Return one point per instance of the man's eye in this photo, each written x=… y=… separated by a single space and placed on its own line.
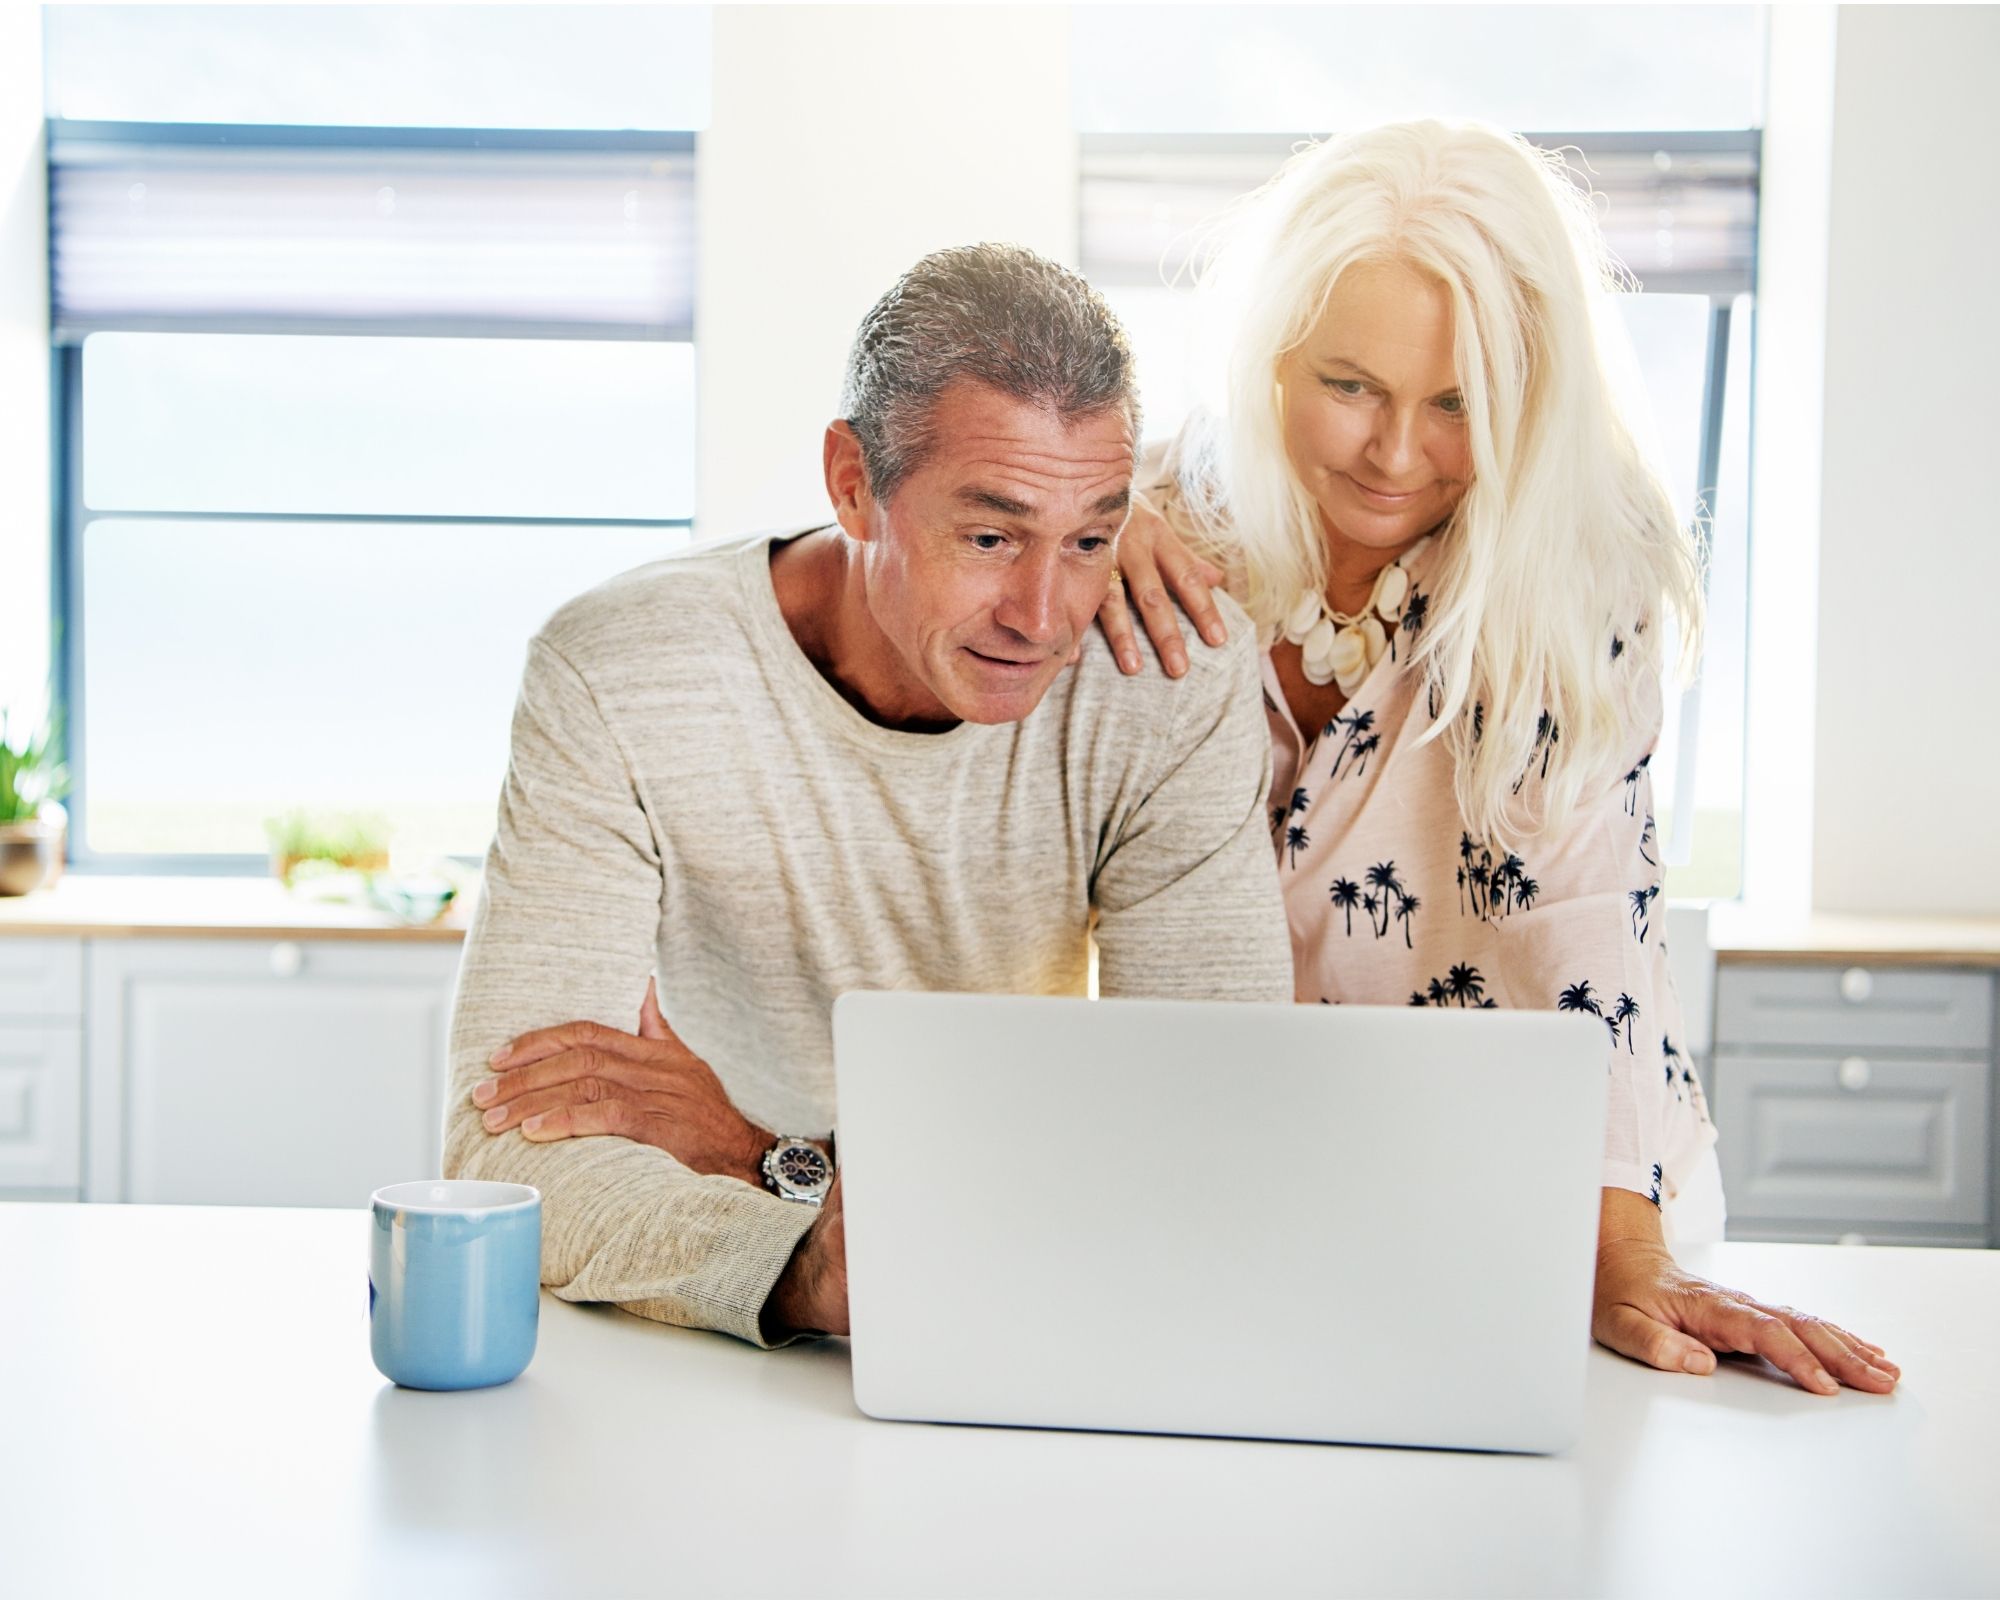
x=988 y=541
x=1090 y=544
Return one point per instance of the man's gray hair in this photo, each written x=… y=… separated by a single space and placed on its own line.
x=993 y=313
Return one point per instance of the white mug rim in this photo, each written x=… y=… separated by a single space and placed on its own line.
x=518 y=1198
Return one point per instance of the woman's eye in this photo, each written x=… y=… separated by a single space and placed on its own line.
x=1452 y=405
x=1352 y=388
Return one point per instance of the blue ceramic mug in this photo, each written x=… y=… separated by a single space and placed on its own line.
x=454 y=1281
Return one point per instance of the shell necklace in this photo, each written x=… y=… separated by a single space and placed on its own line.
x=1338 y=648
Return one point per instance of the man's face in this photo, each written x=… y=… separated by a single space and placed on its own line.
x=989 y=562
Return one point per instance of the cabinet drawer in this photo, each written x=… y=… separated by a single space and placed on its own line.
x=41 y=1107
x=1837 y=1008
x=41 y=979
x=1852 y=1141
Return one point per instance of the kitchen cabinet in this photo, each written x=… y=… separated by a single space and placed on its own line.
x=1855 y=1102
x=263 y=1072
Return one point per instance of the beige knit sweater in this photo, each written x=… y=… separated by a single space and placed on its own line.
x=688 y=796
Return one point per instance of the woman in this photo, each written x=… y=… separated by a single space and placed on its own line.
x=1420 y=487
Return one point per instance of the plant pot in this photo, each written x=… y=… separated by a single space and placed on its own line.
x=31 y=856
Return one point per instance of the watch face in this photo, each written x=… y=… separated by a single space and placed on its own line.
x=800 y=1166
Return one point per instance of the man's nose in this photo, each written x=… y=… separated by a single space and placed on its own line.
x=1028 y=607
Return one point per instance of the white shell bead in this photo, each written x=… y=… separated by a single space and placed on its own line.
x=1303 y=615
x=1376 y=640
x=1391 y=592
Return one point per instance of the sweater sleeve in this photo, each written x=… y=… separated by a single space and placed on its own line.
x=1186 y=892
x=567 y=930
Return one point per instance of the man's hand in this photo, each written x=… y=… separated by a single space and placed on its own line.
x=584 y=1078
x=1647 y=1308
x=811 y=1295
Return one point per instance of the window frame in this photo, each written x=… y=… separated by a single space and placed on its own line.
x=71 y=517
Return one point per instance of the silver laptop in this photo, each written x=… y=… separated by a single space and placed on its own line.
x=1353 y=1223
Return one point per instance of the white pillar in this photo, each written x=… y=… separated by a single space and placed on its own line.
x=844 y=143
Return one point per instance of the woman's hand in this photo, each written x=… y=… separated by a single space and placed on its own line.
x=1647 y=1308
x=1153 y=561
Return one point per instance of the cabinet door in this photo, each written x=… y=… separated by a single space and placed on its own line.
x=41 y=1095
x=239 y=1072
x=1853 y=1142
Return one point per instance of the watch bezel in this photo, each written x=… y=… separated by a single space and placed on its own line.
x=783 y=1187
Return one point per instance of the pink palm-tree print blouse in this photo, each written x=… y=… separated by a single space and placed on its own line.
x=1392 y=900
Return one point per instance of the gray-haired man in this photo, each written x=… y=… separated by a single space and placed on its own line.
x=886 y=753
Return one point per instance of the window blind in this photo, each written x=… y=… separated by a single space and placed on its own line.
x=175 y=226
x=1679 y=209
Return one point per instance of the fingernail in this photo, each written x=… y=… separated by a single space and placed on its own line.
x=532 y=1125
x=495 y=1117
x=1128 y=661
x=1214 y=634
x=499 y=1055
x=1823 y=1380
x=1693 y=1362
x=485 y=1092
x=1176 y=663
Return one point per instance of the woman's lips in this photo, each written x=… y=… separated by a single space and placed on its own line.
x=1382 y=497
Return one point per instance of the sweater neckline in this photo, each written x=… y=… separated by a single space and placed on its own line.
x=806 y=687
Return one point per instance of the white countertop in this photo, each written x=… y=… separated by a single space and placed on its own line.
x=187 y=1404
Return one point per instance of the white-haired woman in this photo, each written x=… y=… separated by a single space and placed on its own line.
x=1420 y=485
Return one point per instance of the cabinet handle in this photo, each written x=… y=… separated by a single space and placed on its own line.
x=1854 y=1073
x=287 y=960
x=1856 y=985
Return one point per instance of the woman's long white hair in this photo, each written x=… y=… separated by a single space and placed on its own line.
x=1565 y=538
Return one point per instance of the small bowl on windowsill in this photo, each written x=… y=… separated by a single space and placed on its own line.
x=415 y=901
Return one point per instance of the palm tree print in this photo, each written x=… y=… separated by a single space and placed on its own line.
x=1461 y=891
x=1624 y=1012
x=1298 y=800
x=1366 y=748
x=1632 y=785
x=1406 y=908
x=1278 y=815
x=1464 y=983
x=1646 y=837
x=1525 y=890
x=1357 y=723
x=1368 y=908
x=1617 y=647
x=1345 y=893
x=1658 y=1178
x=1415 y=609
x=1669 y=1056
x=1382 y=876
x=1296 y=839
x=1577 y=997
x=1642 y=910
x=1549 y=744
x=1437 y=992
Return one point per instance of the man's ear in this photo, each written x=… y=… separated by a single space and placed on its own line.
x=847 y=482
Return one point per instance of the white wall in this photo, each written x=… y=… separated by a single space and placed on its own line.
x=1907 y=770
x=870 y=135
x=1780 y=645
x=24 y=368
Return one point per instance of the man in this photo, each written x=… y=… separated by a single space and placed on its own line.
x=887 y=753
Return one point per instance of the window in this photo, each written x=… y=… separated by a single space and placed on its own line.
x=1674 y=164
x=348 y=410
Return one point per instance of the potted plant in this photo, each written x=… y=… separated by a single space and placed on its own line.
x=33 y=780
x=340 y=843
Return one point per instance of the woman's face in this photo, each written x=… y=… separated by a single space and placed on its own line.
x=1374 y=424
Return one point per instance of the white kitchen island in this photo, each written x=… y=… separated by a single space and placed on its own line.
x=187 y=1406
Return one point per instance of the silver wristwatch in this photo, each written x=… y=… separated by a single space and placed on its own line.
x=797 y=1170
